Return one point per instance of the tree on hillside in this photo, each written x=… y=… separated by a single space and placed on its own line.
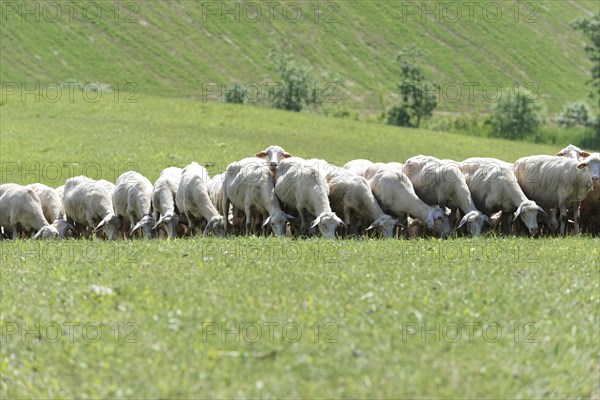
x=295 y=90
x=417 y=94
x=591 y=29
x=517 y=114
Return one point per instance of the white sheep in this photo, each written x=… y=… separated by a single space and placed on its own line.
x=441 y=182
x=396 y=195
x=558 y=182
x=305 y=190
x=166 y=213
x=89 y=203
x=590 y=206
x=132 y=201
x=351 y=197
x=249 y=187
x=494 y=188
x=194 y=203
x=358 y=166
x=52 y=208
x=573 y=152
x=273 y=154
x=21 y=211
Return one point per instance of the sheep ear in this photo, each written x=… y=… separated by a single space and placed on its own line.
x=290 y=217
x=487 y=221
x=136 y=228
x=430 y=221
x=373 y=225
x=463 y=221
x=38 y=235
x=582 y=165
x=266 y=221
x=262 y=154
x=560 y=154
x=288 y=155
x=517 y=213
x=207 y=229
x=100 y=225
x=315 y=223
x=584 y=154
x=159 y=223
x=541 y=210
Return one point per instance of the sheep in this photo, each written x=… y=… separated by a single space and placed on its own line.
x=358 y=166
x=164 y=191
x=89 y=203
x=249 y=187
x=573 y=152
x=132 y=201
x=441 y=182
x=590 y=206
x=305 y=190
x=194 y=203
x=52 y=208
x=494 y=187
x=394 y=192
x=21 y=210
x=351 y=197
x=273 y=154
x=558 y=182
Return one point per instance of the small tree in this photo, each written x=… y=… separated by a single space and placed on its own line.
x=591 y=29
x=518 y=114
x=577 y=113
x=295 y=89
x=237 y=95
x=417 y=94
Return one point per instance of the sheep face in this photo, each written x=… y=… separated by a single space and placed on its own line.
x=111 y=224
x=216 y=225
x=146 y=225
x=437 y=221
x=278 y=221
x=475 y=221
x=593 y=165
x=528 y=212
x=573 y=152
x=274 y=155
x=62 y=226
x=386 y=226
x=47 y=232
x=327 y=223
x=169 y=222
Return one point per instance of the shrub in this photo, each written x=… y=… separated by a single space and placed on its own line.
x=517 y=115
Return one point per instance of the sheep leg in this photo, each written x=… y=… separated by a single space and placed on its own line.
x=563 y=220
x=248 y=218
x=576 y=218
x=506 y=223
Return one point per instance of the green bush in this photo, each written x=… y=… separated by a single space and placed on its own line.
x=296 y=88
x=518 y=114
x=237 y=95
x=577 y=113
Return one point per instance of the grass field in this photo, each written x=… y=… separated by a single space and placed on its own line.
x=278 y=317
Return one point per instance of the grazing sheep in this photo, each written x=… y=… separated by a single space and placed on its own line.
x=305 y=190
x=590 y=206
x=52 y=208
x=351 y=197
x=249 y=187
x=396 y=195
x=194 y=203
x=441 y=182
x=21 y=211
x=494 y=187
x=89 y=203
x=558 y=182
x=166 y=213
x=273 y=154
x=358 y=166
x=132 y=201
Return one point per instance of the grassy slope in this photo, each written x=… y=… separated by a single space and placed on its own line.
x=370 y=290
x=108 y=138
x=172 y=52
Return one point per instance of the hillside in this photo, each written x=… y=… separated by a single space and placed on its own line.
x=48 y=142
x=176 y=49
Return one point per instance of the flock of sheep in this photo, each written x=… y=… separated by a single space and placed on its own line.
x=277 y=193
